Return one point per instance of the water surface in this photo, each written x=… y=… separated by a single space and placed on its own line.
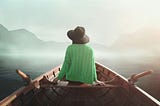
x=35 y=66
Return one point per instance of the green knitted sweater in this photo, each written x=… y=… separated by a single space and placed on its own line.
x=79 y=64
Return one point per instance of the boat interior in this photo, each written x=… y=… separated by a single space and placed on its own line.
x=120 y=93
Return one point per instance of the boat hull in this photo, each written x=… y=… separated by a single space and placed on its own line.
x=125 y=94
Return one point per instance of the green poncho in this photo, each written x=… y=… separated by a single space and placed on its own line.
x=79 y=64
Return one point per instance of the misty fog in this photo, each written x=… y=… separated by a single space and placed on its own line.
x=130 y=54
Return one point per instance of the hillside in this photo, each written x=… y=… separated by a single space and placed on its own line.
x=25 y=42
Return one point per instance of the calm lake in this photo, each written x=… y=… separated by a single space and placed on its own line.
x=35 y=66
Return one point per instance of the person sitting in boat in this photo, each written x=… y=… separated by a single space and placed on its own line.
x=79 y=63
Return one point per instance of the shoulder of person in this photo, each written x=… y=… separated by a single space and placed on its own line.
x=89 y=47
x=69 y=46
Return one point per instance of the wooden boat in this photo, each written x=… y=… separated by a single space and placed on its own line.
x=120 y=92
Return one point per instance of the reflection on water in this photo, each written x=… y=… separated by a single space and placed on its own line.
x=35 y=66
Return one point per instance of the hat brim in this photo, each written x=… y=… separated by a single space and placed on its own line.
x=70 y=34
x=83 y=40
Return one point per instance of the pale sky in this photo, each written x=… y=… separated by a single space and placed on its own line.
x=104 y=20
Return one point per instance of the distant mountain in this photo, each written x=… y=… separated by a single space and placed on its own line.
x=18 y=37
x=24 y=41
x=4 y=34
x=3 y=29
x=23 y=37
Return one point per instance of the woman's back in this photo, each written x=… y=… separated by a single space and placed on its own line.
x=79 y=62
x=82 y=66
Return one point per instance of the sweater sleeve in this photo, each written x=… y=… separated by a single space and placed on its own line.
x=95 y=74
x=94 y=67
x=65 y=65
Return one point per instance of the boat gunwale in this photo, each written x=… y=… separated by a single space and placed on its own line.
x=25 y=89
x=133 y=87
x=35 y=84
